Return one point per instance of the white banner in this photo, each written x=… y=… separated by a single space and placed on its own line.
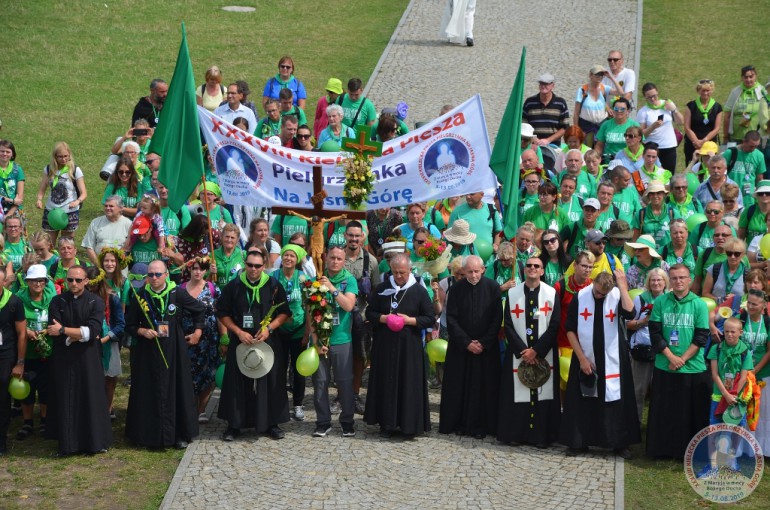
x=447 y=157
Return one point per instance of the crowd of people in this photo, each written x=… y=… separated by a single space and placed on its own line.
x=607 y=269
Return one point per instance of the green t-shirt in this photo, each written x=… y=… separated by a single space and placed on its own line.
x=297 y=112
x=528 y=202
x=286 y=226
x=228 y=267
x=573 y=210
x=145 y=252
x=498 y=272
x=36 y=313
x=337 y=237
x=367 y=115
x=586 y=184
x=656 y=225
x=628 y=202
x=701 y=239
x=479 y=220
x=344 y=282
x=620 y=253
x=14 y=252
x=171 y=220
x=553 y=273
x=555 y=220
x=685 y=209
x=748 y=166
x=679 y=318
x=576 y=240
x=688 y=257
x=731 y=360
x=122 y=192
x=606 y=218
x=613 y=137
x=703 y=263
x=293 y=290
x=755 y=226
x=267 y=128
x=10 y=180
x=220 y=213
x=755 y=337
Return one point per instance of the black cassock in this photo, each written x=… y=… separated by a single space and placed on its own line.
x=397 y=396
x=471 y=383
x=535 y=421
x=77 y=409
x=592 y=421
x=162 y=408
x=239 y=404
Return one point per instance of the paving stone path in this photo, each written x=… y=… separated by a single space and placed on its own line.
x=434 y=471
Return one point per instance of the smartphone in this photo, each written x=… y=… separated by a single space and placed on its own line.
x=143 y=131
x=660 y=117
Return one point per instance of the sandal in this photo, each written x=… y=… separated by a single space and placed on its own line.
x=24 y=432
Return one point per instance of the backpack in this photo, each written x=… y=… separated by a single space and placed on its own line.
x=280 y=227
x=733 y=158
x=584 y=88
x=355 y=118
x=496 y=269
x=670 y=216
x=221 y=89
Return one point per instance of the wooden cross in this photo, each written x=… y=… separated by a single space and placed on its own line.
x=362 y=143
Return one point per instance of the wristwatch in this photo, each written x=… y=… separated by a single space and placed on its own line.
x=335 y=293
x=20 y=361
x=61 y=330
x=269 y=329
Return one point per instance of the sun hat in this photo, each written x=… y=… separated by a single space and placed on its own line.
x=460 y=233
x=763 y=186
x=620 y=229
x=588 y=384
x=654 y=187
x=597 y=69
x=394 y=247
x=527 y=130
x=334 y=85
x=709 y=148
x=645 y=241
x=141 y=226
x=35 y=272
x=535 y=375
x=735 y=413
x=137 y=274
x=592 y=202
x=254 y=361
x=595 y=235
x=546 y=78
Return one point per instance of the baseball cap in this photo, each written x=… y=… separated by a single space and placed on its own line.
x=592 y=202
x=141 y=226
x=546 y=78
x=595 y=235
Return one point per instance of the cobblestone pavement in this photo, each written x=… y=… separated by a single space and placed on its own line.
x=563 y=37
x=434 y=471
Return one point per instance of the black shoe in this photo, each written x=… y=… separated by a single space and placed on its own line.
x=181 y=444
x=385 y=434
x=24 y=432
x=623 y=453
x=469 y=41
x=479 y=436
x=573 y=452
x=3 y=447
x=230 y=434
x=348 y=430
x=276 y=432
x=409 y=437
x=322 y=430
x=541 y=446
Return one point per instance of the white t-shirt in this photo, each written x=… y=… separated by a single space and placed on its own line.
x=65 y=190
x=625 y=78
x=664 y=136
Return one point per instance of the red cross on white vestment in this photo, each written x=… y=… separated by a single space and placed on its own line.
x=585 y=314
x=547 y=308
x=518 y=310
x=611 y=316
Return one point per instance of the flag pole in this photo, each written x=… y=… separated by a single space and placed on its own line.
x=212 y=276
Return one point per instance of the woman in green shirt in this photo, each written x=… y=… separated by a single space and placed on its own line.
x=228 y=257
x=555 y=260
x=124 y=183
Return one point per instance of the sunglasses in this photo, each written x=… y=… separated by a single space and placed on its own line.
x=734 y=253
x=629 y=136
x=75 y=280
x=680 y=188
x=155 y=275
x=530 y=266
x=616 y=109
x=303 y=137
x=601 y=241
x=728 y=200
x=126 y=172
x=254 y=266
x=419 y=242
x=284 y=66
x=705 y=82
x=763 y=193
x=551 y=240
x=713 y=211
x=614 y=59
x=722 y=235
x=150 y=161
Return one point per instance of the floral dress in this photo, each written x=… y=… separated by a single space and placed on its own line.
x=190 y=249
x=204 y=357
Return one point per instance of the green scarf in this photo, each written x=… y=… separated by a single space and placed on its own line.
x=705 y=111
x=731 y=279
x=339 y=277
x=58 y=174
x=162 y=296
x=5 y=172
x=657 y=107
x=254 y=288
x=634 y=157
x=4 y=298
x=284 y=84
x=45 y=300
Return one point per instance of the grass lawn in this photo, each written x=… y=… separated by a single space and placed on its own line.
x=678 y=49
x=73 y=71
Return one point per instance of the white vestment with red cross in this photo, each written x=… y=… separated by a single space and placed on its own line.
x=585 y=334
x=543 y=314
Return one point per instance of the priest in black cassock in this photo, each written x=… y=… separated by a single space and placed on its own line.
x=532 y=310
x=162 y=408
x=397 y=397
x=77 y=409
x=469 y=394
x=599 y=404
x=245 y=402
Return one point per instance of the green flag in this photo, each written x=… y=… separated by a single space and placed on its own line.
x=177 y=138
x=507 y=152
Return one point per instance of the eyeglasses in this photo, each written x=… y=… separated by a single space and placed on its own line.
x=530 y=266
x=705 y=82
x=551 y=240
x=272 y=111
x=156 y=275
x=254 y=266
x=284 y=66
x=532 y=182
x=12 y=227
x=587 y=267
x=680 y=188
x=621 y=110
x=610 y=59
x=416 y=241
x=37 y=280
x=651 y=97
x=75 y=280
x=713 y=211
x=734 y=253
x=628 y=135
x=728 y=200
x=303 y=137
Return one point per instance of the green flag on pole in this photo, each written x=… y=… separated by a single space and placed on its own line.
x=177 y=138
x=507 y=151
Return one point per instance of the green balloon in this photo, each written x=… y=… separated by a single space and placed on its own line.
x=330 y=146
x=437 y=350
x=483 y=248
x=18 y=388
x=58 y=219
x=692 y=183
x=220 y=376
x=307 y=362
x=695 y=220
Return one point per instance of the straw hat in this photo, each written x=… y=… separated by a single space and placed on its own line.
x=460 y=233
x=645 y=241
x=256 y=360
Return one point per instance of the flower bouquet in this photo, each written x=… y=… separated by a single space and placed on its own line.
x=359 y=179
x=320 y=308
x=43 y=346
x=436 y=257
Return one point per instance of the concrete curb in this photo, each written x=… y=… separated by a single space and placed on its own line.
x=385 y=53
x=620 y=490
x=638 y=52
